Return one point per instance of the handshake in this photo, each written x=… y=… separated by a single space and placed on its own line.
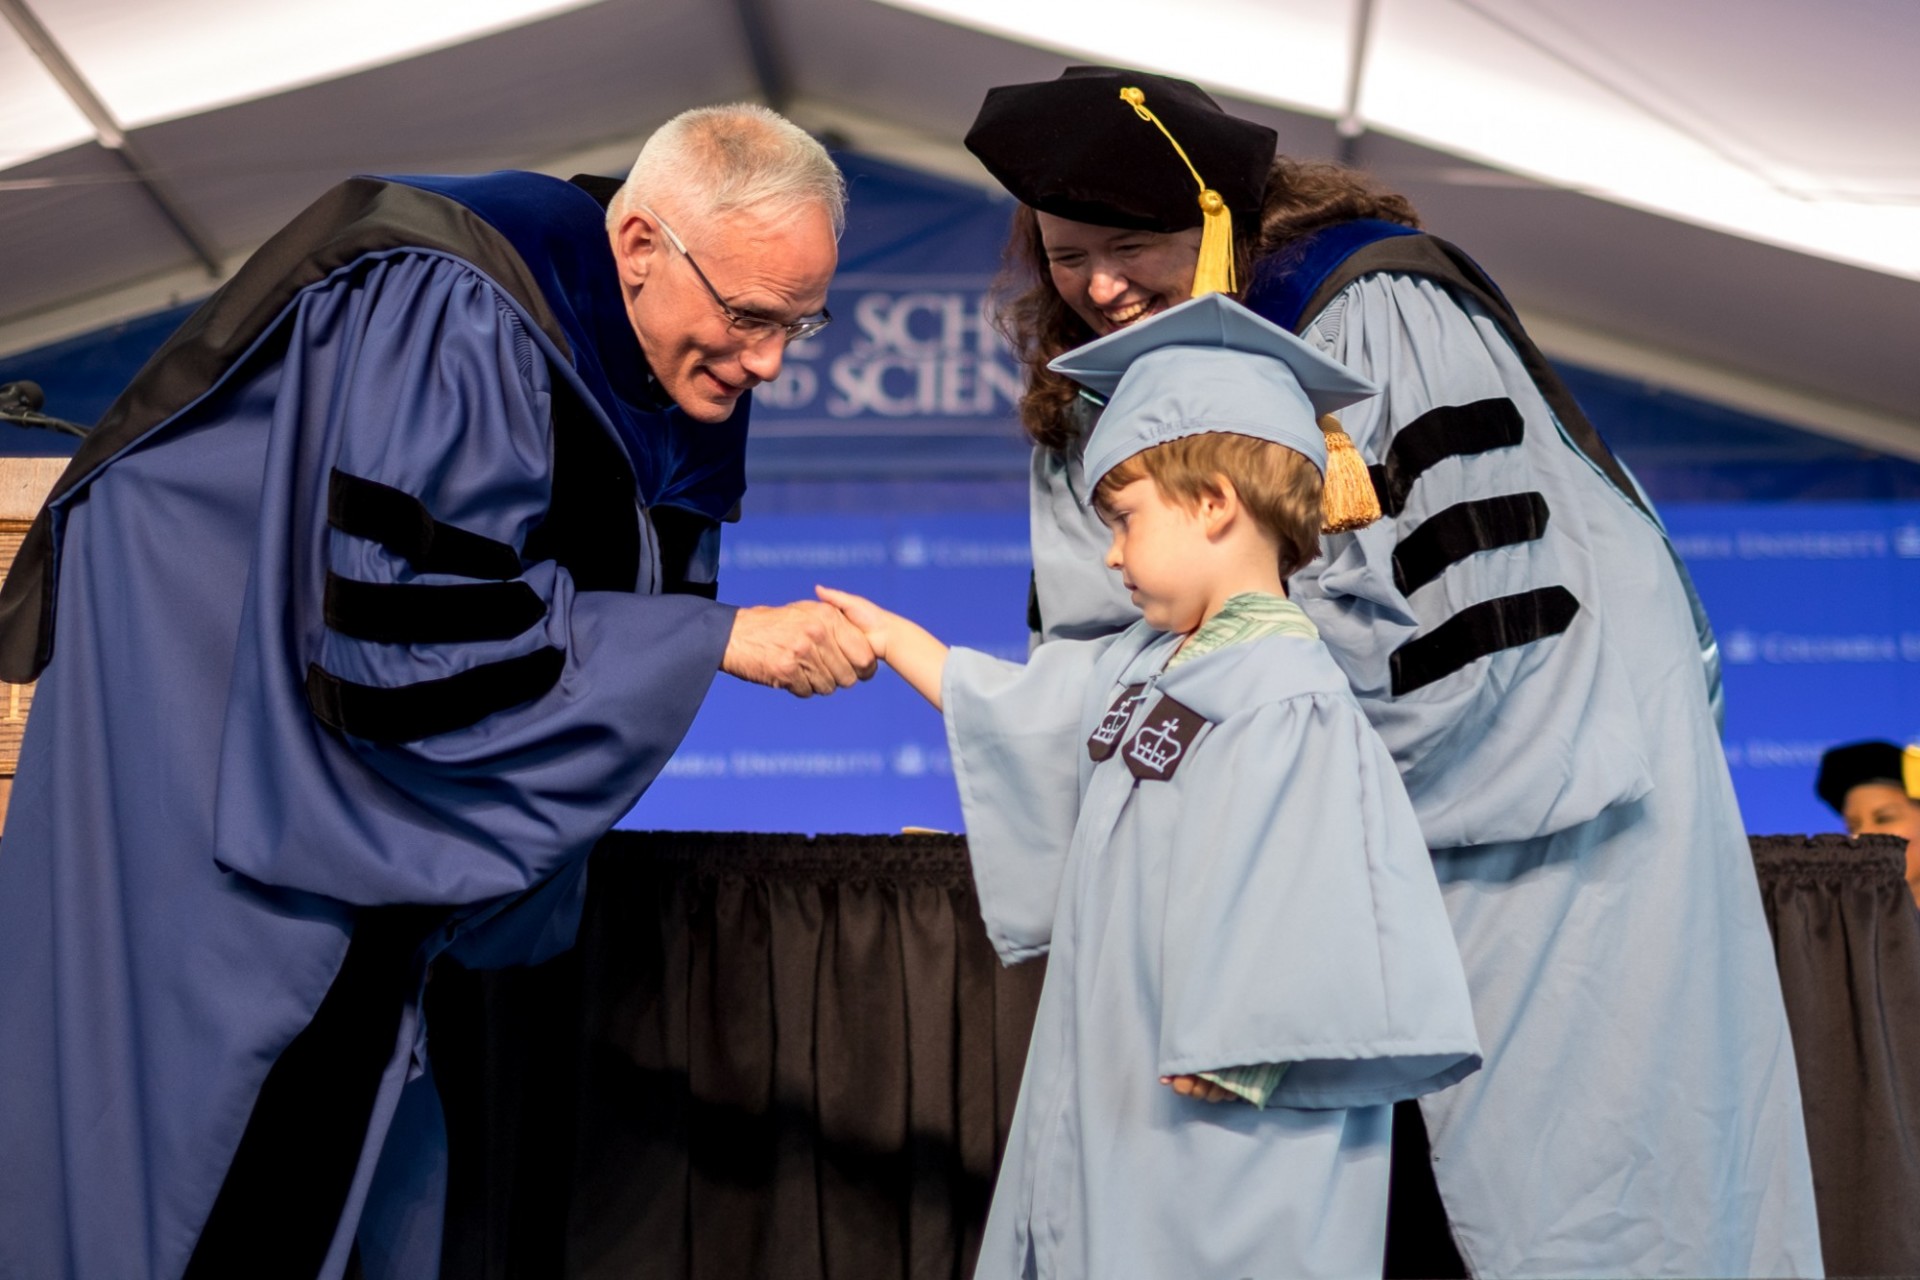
x=809 y=646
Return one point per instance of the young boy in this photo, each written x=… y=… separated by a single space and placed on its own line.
x=1194 y=819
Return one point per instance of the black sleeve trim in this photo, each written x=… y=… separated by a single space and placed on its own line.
x=418 y=613
x=1435 y=259
x=402 y=524
x=1481 y=629
x=1462 y=530
x=1447 y=431
x=409 y=712
x=1033 y=604
x=678 y=534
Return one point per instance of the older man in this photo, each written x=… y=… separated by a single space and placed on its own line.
x=383 y=591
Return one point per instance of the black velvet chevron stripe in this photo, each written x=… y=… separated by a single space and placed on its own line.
x=408 y=712
x=1448 y=431
x=1481 y=629
x=1462 y=530
x=402 y=524
x=418 y=613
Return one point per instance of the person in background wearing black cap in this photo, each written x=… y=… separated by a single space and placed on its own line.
x=1871 y=785
x=1523 y=638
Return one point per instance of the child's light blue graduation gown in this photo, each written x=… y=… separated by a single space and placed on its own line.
x=1239 y=879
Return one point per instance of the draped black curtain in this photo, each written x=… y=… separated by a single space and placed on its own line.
x=769 y=1056
x=1847 y=940
x=766 y=1056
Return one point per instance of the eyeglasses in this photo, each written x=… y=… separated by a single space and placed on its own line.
x=744 y=324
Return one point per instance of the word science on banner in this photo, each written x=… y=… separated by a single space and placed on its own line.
x=909 y=352
x=912 y=378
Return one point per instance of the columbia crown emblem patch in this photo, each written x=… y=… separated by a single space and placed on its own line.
x=1101 y=743
x=1164 y=739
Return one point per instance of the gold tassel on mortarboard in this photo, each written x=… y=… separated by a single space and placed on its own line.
x=1214 y=272
x=1910 y=772
x=1347 y=499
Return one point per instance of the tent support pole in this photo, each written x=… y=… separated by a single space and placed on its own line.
x=108 y=132
x=1350 y=125
x=763 y=51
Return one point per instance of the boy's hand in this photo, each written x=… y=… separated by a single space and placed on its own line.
x=1195 y=1087
x=906 y=646
x=866 y=616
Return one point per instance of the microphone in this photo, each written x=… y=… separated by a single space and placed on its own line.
x=20 y=405
x=21 y=397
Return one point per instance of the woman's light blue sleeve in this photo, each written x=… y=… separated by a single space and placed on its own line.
x=1468 y=620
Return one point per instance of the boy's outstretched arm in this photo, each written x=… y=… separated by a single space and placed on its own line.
x=905 y=646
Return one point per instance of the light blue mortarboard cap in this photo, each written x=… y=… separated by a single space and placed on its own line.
x=1207 y=365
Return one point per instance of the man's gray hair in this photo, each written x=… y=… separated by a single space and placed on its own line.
x=712 y=161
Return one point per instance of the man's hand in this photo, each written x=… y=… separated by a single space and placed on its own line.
x=805 y=648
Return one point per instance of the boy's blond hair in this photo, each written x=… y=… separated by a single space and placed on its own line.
x=1279 y=488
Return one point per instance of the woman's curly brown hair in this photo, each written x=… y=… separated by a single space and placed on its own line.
x=1302 y=196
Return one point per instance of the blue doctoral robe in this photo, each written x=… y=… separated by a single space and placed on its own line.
x=1520 y=634
x=1249 y=889
x=327 y=642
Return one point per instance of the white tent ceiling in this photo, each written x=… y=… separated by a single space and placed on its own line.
x=1720 y=196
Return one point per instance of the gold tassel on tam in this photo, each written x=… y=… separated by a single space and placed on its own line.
x=1348 y=500
x=1214 y=272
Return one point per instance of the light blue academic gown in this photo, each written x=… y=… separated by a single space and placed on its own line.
x=1268 y=900
x=1639 y=1113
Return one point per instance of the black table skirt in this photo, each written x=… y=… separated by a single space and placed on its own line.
x=1847 y=941
x=765 y=1056
x=776 y=1057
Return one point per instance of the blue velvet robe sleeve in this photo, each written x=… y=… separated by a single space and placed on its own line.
x=414 y=379
x=1468 y=619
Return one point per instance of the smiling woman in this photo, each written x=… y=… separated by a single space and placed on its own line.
x=1114 y=276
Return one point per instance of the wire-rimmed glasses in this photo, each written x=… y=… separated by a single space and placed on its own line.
x=746 y=324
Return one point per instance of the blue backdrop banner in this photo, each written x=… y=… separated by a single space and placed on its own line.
x=887 y=460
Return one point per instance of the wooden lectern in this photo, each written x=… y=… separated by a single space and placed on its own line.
x=24 y=483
